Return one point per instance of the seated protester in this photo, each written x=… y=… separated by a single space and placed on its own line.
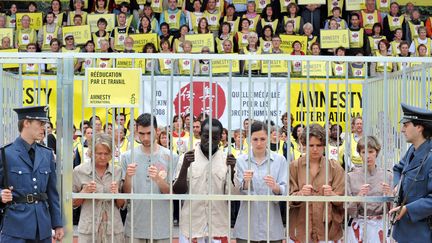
x=173 y=16
x=202 y=66
x=203 y=26
x=337 y=15
x=276 y=43
x=357 y=69
x=3 y=21
x=315 y=49
x=269 y=18
x=87 y=4
x=308 y=31
x=178 y=42
x=404 y=52
x=213 y=15
x=357 y=35
x=55 y=46
x=128 y=45
x=101 y=7
x=78 y=9
x=11 y=16
x=377 y=68
x=30 y=67
x=124 y=7
x=231 y=18
x=316 y=185
x=241 y=37
x=148 y=12
x=77 y=20
x=194 y=15
x=335 y=141
x=331 y=4
x=145 y=26
x=421 y=39
x=6 y=43
x=423 y=51
x=412 y=26
x=377 y=183
x=224 y=34
x=120 y=32
x=24 y=35
x=152 y=65
x=394 y=45
x=266 y=39
x=393 y=21
x=191 y=6
x=370 y=16
x=101 y=33
x=186 y=66
x=166 y=64
x=293 y=17
x=32 y=7
x=49 y=31
x=227 y=46
x=69 y=46
x=166 y=34
x=252 y=15
x=251 y=49
x=104 y=62
x=296 y=66
x=85 y=63
x=311 y=13
x=333 y=25
x=339 y=68
x=289 y=28
x=374 y=39
x=60 y=18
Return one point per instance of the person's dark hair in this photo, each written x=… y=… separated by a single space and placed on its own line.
x=124 y=4
x=176 y=117
x=91 y=120
x=85 y=122
x=355 y=14
x=215 y=122
x=264 y=12
x=45 y=18
x=241 y=21
x=20 y=125
x=339 y=127
x=223 y=24
x=403 y=43
x=103 y=21
x=140 y=29
x=264 y=29
x=294 y=132
x=32 y=3
x=60 y=4
x=148 y=45
x=372 y=143
x=376 y=25
x=316 y=131
x=54 y=40
x=340 y=48
x=258 y=126
x=145 y=119
x=107 y=125
x=427 y=128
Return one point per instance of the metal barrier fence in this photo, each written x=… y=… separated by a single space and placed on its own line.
x=379 y=100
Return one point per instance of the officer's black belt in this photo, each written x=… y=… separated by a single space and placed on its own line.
x=31 y=198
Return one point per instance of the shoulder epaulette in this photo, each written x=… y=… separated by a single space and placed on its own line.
x=7 y=145
x=43 y=146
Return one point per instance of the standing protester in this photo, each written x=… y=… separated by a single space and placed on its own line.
x=28 y=181
x=412 y=175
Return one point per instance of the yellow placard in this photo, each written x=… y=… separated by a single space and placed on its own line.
x=81 y=33
x=306 y=2
x=315 y=68
x=416 y=2
x=9 y=32
x=141 y=39
x=223 y=66
x=201 y=40
x=36 y=20
x=334 y=38
x=276 y=66
x=92 y=20
x=287 y=41
x=10 y=65
x=113 y=87
x=127 y=63
x=353 y=5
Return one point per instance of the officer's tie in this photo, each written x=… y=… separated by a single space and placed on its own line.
x=32 y=154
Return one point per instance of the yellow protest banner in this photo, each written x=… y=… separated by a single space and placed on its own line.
x=223 y=66
x=128 y=63
x=276 y=66
x=92 y=20
x=36 y=20
x=287 y=41
x=416 y=2
x=112 y=87
x=10 y=65
x=9 y=32
x=353 y=5
x=334 y=38
x=141 y=39
x=315 y=68
x=81 y=33
x=306 y=2
x=201 y=40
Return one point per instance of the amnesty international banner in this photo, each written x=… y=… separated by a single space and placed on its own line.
x=92 y=20
x=36 y=20
x=306 y=2
x=81 y=33
x=10 y=65
x=201 y=40
x=127 y=63
x=276 y=66
x=141 y=39
x=353 y=5
x=9 y=32
x=316 y=68
x=287 y=41
x=223 y=66
x=112 y=87
x=334 y=38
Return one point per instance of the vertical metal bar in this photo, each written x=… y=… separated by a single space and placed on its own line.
x=326 y=125
x=93 y=174
x=132 y=142
x=307 y=149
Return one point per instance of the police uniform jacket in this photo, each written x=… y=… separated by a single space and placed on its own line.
x=29 y=220
x=414 y=225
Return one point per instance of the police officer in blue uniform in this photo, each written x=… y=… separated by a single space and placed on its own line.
x=414 y=172
x=28 y=184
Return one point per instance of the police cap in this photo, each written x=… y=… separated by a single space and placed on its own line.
x=33 y=113
x=411 y=113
